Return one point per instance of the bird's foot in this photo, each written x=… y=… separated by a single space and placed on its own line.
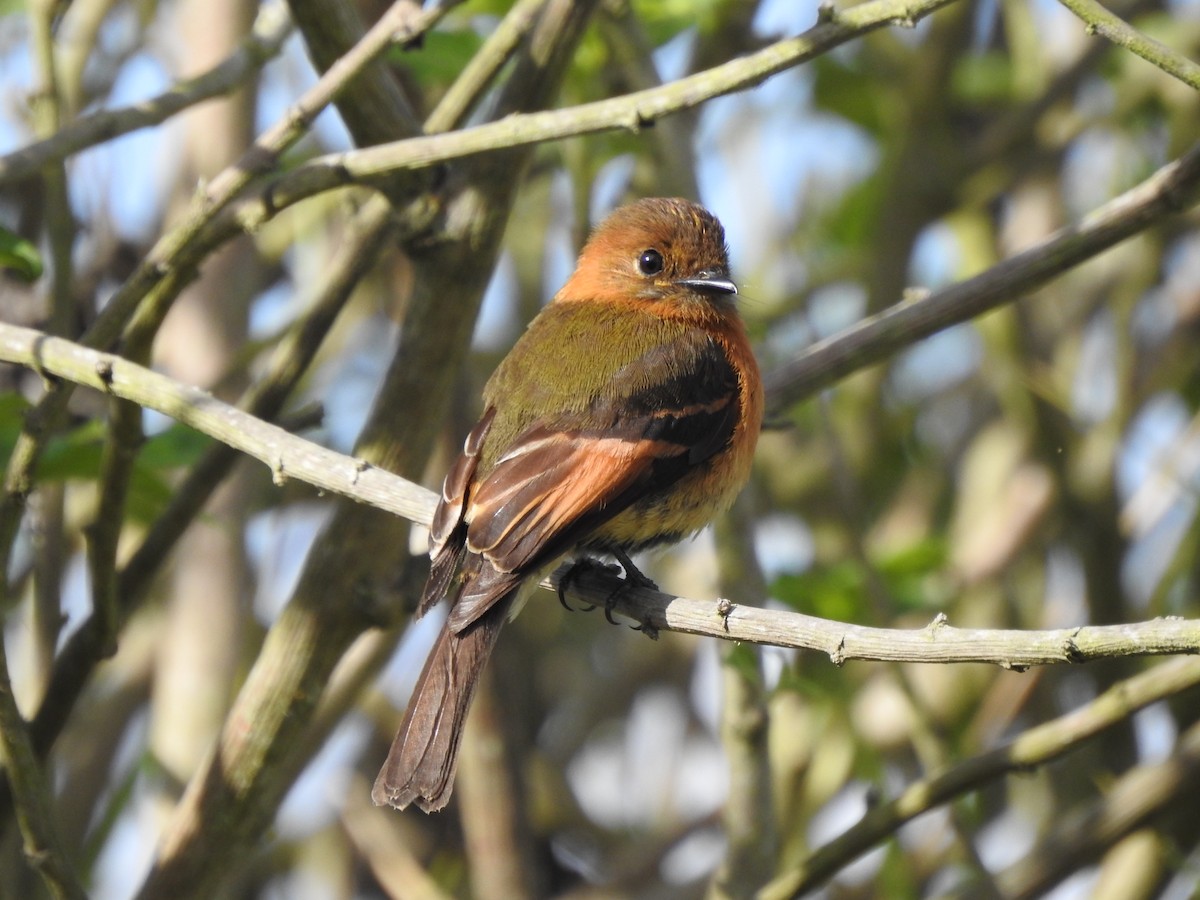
x=578 y=568
x=634 y=578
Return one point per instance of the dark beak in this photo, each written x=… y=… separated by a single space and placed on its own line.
x=710 y=281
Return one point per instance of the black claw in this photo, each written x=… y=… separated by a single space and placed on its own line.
x=608 y=606
x=578 y=567
x=647 y=629
x=563 y=584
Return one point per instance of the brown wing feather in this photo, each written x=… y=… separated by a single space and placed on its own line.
x=447 y=531
x=535 y=506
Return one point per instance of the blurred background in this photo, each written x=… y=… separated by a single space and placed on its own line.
x=1034 y=468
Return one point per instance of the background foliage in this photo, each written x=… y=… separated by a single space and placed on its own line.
x=209 y=657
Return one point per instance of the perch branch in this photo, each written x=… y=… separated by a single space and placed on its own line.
x=289 y=456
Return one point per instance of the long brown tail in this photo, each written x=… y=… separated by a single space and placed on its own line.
x=420 y=766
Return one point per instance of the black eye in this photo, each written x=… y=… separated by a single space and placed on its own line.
x=650 y=262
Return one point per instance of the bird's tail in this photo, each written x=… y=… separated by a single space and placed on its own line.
x=420 y=766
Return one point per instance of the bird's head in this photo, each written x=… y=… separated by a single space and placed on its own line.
x=667 y=252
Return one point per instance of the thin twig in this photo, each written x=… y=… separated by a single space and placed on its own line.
x=1173 y=188
x=31 y=793
x=103 y=533
x=1109 y=25
x=462 y=96
x=262 y=45
x=633 y=112
x=378 y=108
x=1034 y=747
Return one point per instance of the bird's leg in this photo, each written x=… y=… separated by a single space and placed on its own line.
x=634 y=577
x=633 y=574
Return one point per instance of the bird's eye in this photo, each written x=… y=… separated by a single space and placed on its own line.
x=650 y=262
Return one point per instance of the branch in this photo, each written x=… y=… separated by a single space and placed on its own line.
x=484 y=65
x=31 y=792
x=376 y=109
x=1137 y=797
x=286 y=455
x=289 y=456
x=1173 y=188
x=1100 y=21
x=1037 y=746
x=632 y=112
x=937 y=642
x=270 y=30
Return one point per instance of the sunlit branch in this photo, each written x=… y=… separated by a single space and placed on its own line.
x=263 y=44
x=289 y=456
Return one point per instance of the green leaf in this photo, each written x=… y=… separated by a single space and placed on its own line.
x=983 y=78
x=176 y=447
x=19 y=256
x=79 y=454
x=743 y=660
x=850 y=225
x=832 y=592
x=149 y=494
x=76 y=454
x=912 y=574
x=441 y=56
x=848 y=93
x=920 y=558
x=664 y=19
x=12 y=420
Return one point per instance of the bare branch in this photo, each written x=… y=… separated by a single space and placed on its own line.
x=1100 y=21
x=937 y=642
x=632 y=112
x=286 y=455
x=1173 y=188
x=270 y=30
x=31 y=791
x=289 y=456
x=1035 y=747
x=484 y=66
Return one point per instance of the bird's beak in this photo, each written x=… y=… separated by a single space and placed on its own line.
x=710 y=281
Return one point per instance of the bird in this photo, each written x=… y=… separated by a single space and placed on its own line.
x=625 y=417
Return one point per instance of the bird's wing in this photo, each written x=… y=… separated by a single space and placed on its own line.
x=447 y=530
x=669 y=411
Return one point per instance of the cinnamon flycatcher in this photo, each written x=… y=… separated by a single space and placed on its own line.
x=625 y=417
